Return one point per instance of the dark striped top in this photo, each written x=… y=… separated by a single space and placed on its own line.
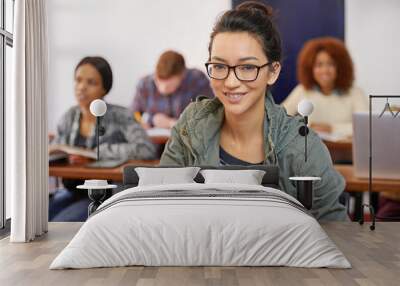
x=227 y=159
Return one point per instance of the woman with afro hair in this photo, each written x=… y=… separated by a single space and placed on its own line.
x=326 y=75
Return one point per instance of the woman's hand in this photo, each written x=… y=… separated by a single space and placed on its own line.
x=321 y=127
x=78 y=160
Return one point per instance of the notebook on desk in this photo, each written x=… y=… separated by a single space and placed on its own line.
x=385 y=146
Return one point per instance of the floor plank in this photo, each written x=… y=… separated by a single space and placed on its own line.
x=374 y=255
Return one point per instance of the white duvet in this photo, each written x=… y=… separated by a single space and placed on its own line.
x=207 y=230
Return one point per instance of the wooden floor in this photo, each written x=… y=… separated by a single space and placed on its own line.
x=375 y=257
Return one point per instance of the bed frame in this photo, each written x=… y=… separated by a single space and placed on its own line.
x=131 y=179
x=270 y=179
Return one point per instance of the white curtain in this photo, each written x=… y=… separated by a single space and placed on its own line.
x=27 y=155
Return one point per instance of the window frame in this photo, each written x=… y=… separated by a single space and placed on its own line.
x=6 y=39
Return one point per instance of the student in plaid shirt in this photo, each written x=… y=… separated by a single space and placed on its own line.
x=161 y=97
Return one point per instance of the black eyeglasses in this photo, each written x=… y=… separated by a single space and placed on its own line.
x=245 y=72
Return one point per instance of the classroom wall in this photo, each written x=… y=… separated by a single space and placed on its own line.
x=372 y=36
x=129 y=34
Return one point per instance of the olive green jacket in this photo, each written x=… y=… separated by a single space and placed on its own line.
x=196 y=136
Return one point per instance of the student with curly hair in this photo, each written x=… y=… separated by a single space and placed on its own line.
x=326 y=75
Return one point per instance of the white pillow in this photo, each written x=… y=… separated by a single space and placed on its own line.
x=248 y=177
x=163 y=176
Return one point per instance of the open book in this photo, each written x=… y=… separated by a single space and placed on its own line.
x=59 y=151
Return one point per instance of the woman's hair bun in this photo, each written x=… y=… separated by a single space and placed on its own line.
x=254 y=5
x=256 y=19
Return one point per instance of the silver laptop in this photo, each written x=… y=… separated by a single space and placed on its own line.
x=385 y=146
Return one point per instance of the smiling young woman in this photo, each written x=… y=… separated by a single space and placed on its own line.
x=242 y=125
x=242 y=92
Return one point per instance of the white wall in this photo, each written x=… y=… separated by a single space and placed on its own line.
x=372 y=36
x=129 y=34
x=132 y=34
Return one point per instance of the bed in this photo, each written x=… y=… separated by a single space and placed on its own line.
x=201 y=224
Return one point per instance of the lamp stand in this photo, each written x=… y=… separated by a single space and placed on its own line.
x=98 y=137
x=303 y=131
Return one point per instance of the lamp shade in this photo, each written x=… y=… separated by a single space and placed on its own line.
x=305 y=107
x=98 y=107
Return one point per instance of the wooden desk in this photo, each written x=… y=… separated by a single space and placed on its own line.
x=82 y=172
x=374 y=256
x=159 y=135
x=159 y=139
x=356 y=187
x=354 y=184
x=341 y=151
